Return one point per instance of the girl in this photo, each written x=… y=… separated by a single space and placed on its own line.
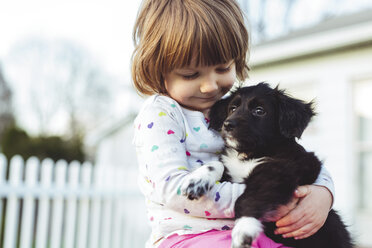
x=188 y=54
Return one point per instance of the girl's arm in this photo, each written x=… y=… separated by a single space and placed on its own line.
x=162 y=157
x=314 y=203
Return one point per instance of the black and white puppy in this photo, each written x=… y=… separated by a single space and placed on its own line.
x=259 y=126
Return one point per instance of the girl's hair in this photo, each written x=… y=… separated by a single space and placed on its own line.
x=168 y=34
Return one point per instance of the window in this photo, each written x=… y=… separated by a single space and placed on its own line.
x=363 y=112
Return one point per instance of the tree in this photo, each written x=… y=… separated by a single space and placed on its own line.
x=65 y=88
x=6 y=113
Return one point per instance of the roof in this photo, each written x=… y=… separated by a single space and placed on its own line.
x=332 y=34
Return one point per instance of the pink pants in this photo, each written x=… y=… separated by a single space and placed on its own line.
x=213 y=239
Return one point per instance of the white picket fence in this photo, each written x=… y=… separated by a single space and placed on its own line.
x=60 y=205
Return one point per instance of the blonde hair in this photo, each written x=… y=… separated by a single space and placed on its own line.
x=168 y=34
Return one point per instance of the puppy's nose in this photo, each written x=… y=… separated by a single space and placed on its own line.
x=229 y=125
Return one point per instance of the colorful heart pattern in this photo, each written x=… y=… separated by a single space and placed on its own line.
x=217 y=197
x=225 y=228
x=154 y=148
x=187 y=227
x=203 y=146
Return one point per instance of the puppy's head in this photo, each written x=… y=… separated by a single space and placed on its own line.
x=257 y=116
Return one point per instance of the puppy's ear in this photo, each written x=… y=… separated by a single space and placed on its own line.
x=294 y=115
x=218 y=113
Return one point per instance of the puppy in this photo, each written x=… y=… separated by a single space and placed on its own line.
x=259 y=126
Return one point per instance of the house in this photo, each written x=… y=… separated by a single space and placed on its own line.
x=331 y=64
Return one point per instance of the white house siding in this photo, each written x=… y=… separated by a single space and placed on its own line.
x=117 y=150
x=330 y=78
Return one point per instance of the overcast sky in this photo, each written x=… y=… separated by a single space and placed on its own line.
x=103 y=27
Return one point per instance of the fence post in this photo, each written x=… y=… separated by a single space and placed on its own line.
x=57 y=208
x=117 y=208
x=95 y=214
x=12 y=209
x=44 y=205
x=82 y=226
x=32 y=166
x=73 y=182
x=107 y=208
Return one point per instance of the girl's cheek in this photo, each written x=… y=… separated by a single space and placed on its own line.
x=231 y=76
x=230 y=82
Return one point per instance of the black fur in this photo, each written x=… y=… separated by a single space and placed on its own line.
x=264 y=122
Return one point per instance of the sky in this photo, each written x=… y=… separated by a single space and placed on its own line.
x=103 y=27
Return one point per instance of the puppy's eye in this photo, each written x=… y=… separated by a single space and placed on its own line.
x=259 y=111
x=232 y=109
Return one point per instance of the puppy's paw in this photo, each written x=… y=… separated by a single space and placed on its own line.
x=198 y=182
x=245 y=231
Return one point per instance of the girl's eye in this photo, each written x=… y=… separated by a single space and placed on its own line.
x=191 y=76
x=223 y=70
x=259 y=111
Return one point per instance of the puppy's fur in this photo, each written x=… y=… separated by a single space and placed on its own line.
x=259 y=126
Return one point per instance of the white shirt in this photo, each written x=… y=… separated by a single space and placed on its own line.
x=170 y=142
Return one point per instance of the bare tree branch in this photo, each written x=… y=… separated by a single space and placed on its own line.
x=64 y=83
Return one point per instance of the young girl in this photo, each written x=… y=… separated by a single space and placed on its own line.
x=188 y=54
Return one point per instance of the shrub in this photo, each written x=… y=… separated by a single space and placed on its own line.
x=17 y=141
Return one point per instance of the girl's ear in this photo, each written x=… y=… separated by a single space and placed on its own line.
x=218 y=113
x=294 y=115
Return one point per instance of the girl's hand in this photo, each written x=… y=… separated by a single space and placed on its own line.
x=309 y=215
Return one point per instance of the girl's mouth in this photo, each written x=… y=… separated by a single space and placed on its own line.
x=209 y=98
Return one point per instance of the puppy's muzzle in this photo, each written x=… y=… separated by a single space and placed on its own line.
x=229 y=125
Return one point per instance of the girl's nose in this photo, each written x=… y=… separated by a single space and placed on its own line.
x=209 y=85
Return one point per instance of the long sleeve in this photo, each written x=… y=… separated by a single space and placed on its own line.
x=325 y=179
x=168 y=149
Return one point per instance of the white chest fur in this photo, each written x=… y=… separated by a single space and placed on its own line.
x=237 y=168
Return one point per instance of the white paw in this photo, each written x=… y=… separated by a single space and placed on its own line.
x=246 y=229
x=201 y=180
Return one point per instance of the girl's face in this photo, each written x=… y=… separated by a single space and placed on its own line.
x=199 y=87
